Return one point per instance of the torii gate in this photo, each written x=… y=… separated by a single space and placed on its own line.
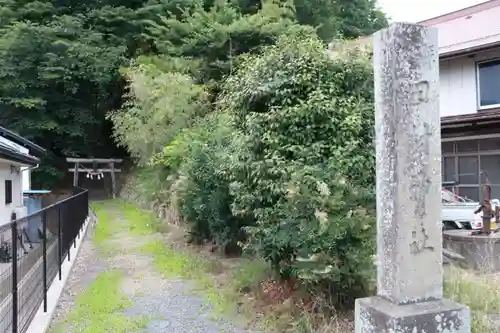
x=94 y=170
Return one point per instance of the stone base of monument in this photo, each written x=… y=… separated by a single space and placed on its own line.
x=378 y=315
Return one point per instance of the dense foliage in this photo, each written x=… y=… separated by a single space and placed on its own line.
x=306 y=167
x=57 y=82
x=282 y=168
x=200 y=160
x=60 y=60
x=160 y=104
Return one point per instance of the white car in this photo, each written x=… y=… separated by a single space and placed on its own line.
x=458 y=212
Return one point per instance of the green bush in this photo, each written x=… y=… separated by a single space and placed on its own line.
x=306 y=121
x=151 y=183
x=322 y=232
x=201 y=156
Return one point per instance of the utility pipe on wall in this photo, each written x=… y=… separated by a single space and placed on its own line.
x=26 y=177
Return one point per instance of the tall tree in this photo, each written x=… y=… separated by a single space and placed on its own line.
x=341 y=18
x=213 y=40
x=60 y=60
x=57 y=82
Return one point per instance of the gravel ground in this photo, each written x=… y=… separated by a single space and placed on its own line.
x=169 y=302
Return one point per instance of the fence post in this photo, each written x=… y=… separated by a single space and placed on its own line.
x=80 y=226
x=73 y=230
x=67 y=230
x=14 y=276
x=69 y=249
x=78 y=204
x=59 y=242
x=44 y=255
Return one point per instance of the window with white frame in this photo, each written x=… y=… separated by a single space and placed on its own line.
x=488 y=84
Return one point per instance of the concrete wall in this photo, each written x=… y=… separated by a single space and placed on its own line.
x=457 y=76
x=481 y=253
x=17 y=193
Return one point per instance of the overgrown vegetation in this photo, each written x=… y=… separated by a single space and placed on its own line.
x=223 y=283
x=304 y=170
x=479 y=293
x=280 y=166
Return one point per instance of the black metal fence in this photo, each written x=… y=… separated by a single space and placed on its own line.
x=32 y=250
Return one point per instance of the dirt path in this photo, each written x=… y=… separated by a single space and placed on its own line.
x=147 y=300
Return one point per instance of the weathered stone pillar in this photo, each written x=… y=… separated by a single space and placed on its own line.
x=408 y=154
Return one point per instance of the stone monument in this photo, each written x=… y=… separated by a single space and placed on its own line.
x=408 y=169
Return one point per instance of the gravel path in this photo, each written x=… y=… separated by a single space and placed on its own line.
x=170 y=303
x=87 y=267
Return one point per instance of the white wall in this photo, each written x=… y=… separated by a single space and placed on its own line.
x=458 y=94
x=17 y=193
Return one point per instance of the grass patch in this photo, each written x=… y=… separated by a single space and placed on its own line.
x=140 y=222
x=174 y=263
x=99 y=309
x=248 y=275
x=481 y=294
x=116 y=216
x=104 y=229
x=178 y=263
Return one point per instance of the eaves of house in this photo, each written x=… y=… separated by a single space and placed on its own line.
x=15 y=148
x=10 y=154
x=467 y=30
x=463 y=31
x=16 y=138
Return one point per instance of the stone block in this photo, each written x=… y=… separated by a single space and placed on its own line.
x=378 y=315
x=408 y=163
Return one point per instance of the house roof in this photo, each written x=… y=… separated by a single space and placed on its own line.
x=14 y=137
x=462 y=12
x=467 y=30
x=11 y=154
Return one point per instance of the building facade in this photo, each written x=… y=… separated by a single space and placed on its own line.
x=469 y=49
x=17 y=159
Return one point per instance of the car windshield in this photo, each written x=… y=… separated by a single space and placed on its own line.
x=448 y=196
